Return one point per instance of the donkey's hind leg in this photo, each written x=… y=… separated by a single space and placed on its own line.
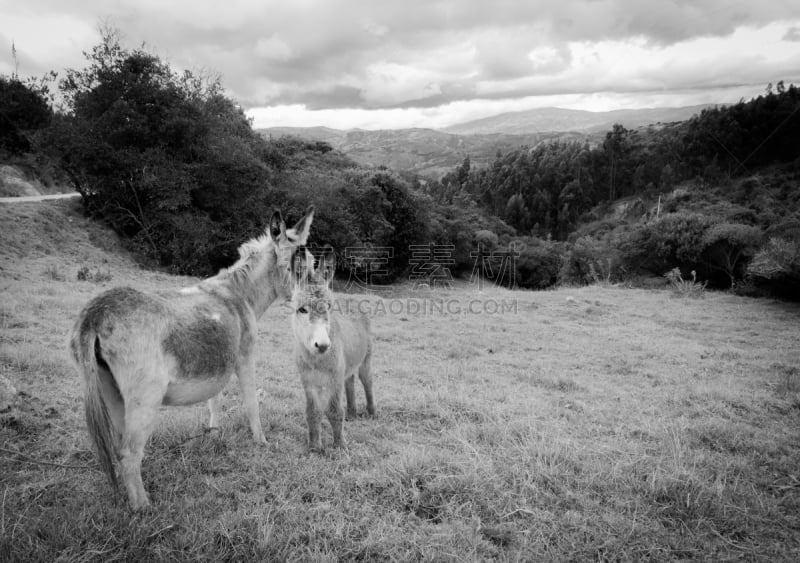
x=213 y=412
x=140 y=417
x=247 y=384
x=365 y=375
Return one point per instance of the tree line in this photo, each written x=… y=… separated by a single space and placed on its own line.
x=707 y=194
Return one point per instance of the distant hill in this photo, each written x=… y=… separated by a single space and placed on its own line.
x=433 y=152
x=558 y=119
x=423 y=151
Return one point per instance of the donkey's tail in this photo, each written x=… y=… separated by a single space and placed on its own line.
x=102 y=399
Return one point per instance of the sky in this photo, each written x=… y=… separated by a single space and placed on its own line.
x=376 y=64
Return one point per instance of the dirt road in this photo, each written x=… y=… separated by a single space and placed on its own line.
x=26 y=198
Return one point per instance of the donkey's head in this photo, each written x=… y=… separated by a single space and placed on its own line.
x=312 y=300
x=286 y=243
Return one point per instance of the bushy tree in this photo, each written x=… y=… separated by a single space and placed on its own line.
x=673 y=240
x=590 y=260
x=727 y=247
x=165 y=158
x=23 y=109
x=538 y=263
x=776 y=267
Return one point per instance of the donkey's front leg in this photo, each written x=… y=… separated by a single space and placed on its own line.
x=336 y=417
x=350 y=394
x=247 y=384
x=314 y=420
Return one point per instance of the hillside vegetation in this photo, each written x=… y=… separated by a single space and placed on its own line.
x=592 y=423
x=426 y=152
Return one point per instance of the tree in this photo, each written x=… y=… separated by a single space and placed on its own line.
x=728 y=246
x=462 y=174
x=776 y=267
x=667 y=179
x=517 y=213
x=164 y=158
x=673 y=240
x=23 y=109
x=616 y=148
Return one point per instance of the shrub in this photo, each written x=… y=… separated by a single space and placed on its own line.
x=53 y=272
x=727 y=247
x=685 y=288
x=538 y=263
x=673 y=240
x=591 y=261
x=24 y=109
x=776 y=267
x=96 y=276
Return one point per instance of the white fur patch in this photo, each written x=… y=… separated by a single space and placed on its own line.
x=191 y=290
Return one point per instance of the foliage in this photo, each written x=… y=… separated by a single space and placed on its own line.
x=590 y=260
x=23 y=109
x=672 y=240
x=545 y=190
x=165 y=159
x=174 y=167
x=727 y=247
x=538 y=263
x=685 y=288
x=776 y=267
x=97 y=275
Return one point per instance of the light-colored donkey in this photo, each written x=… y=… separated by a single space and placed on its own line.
x=138 y=351
x=329 y=348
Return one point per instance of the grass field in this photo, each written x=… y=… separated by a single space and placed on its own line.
x=580 y=424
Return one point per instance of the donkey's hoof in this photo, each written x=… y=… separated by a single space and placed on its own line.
x=140 y=504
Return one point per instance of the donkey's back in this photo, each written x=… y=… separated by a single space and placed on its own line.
x=353 y=335
x=184 y=347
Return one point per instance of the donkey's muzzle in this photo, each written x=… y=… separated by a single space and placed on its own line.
x=321 y=347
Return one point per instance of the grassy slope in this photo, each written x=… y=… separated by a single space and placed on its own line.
x=588 y=423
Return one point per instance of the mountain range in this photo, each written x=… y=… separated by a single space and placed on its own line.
x=433 y=152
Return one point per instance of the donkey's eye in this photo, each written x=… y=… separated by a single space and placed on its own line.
x=302 y=310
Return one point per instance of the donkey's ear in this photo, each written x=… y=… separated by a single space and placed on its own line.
x=276 y=225
x=303 y=226
x=327 y=263
x=302 y=264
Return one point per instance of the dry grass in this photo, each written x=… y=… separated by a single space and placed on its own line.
x=593 y=423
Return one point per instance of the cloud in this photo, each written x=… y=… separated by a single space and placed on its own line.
x=424 y=53
x=273 y=48
x=792 y=34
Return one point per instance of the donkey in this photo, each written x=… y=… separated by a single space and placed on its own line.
x=329 y=348
x=138 y=351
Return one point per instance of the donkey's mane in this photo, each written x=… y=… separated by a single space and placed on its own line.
x=251 y=253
